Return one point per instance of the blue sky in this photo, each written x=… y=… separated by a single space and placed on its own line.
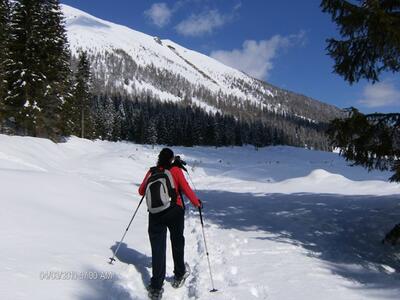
x=281 y=42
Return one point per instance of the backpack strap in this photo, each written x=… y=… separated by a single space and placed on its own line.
x=171 y=186
x=183 y=202
x=154 y=170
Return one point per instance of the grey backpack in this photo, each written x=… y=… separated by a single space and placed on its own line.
x=160 y=190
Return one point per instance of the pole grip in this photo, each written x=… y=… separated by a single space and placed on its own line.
x=201 y=217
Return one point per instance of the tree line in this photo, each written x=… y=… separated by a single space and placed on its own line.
x=45 y=91
x=154 y=122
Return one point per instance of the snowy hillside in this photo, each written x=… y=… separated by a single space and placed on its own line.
x=281 y=223
x=128 y=61
x=146 y=50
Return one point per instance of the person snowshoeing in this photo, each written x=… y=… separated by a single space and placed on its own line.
x=162 y=186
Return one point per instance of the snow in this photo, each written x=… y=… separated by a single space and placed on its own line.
x=90 y=33
x=163 y=95
x=281 y=223
x=207 y=108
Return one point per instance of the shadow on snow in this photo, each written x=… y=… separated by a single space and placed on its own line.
x=132 y=257
x=343 y=231
x=109 y=289
x=112 y=289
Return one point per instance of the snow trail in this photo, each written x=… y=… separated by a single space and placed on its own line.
x=271 y=232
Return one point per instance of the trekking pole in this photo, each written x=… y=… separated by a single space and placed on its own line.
x=205 y=242
x=208 y=256
x=112 y=259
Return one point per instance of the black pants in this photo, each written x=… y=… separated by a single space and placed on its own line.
x=174 y=219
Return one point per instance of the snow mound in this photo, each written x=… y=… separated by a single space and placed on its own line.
x=321 y=174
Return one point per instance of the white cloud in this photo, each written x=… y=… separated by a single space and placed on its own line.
x=237 y=6
x=380 y=94
x=256 y=58
x=159 y=14
x=206 y=22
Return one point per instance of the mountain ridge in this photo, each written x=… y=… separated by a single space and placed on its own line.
x=133 y=63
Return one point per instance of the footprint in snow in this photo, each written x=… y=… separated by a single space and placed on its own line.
x=235 y=249
x=259 y=291
x=236 y=252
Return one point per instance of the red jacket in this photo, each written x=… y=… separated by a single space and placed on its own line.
x=180 y=185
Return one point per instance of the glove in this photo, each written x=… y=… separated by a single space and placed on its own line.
x=179 y=163
x=200 y=204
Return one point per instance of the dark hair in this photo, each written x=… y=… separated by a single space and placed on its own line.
x=164 y=158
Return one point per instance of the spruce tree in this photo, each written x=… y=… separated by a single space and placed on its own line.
x=218 y=130
x=150 y=132
x=38 y=69
x=108 y=119
x=77 y=109
x=121 y=124
x=368 y=140
x=55 y=62
x=4 y=40
x=198 y=124
x=370 y=38
x=26 y=82
x=162 y=131
x=99 y=116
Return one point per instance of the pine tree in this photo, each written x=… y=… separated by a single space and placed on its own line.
x=55 y=62
x=369 y=140
x=370 y=38
x=4 y=40
x=121 y=124
x=230 y=131
x=218 y=130
x=77 y=109
x=108 y=119
x=26 y=82
x=38 y=70
x=97 y=111
x=210 y=136
x=150 y=133
x=162 y=131
x=198 y=124
x=71 y=117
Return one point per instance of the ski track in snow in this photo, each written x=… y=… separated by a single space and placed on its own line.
x=285 y=223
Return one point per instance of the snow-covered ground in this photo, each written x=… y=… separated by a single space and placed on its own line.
x=281 y=223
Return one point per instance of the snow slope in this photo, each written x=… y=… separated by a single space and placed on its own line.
x=90 y=33
x=281 y=223
x=101 y=38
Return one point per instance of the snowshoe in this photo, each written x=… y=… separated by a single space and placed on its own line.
x=179 y=282
x=154 y=294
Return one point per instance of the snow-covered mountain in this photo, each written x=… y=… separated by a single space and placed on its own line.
x=134 y=63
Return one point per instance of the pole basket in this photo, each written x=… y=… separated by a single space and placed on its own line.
x=111 y=262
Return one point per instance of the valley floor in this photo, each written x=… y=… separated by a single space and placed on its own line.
x=281 y=223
